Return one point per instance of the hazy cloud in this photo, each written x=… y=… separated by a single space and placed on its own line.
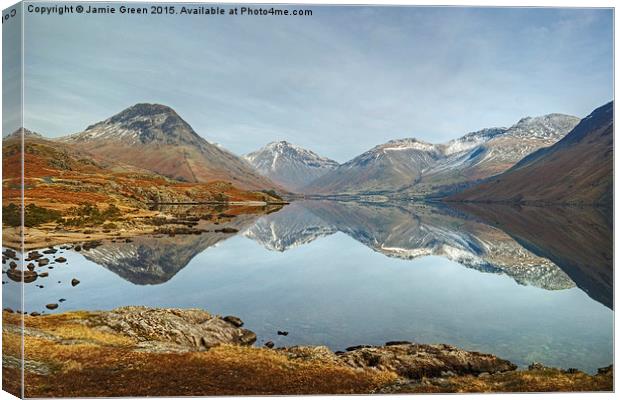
x=338 y=82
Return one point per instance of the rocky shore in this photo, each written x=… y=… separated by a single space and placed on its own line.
x=137 y=351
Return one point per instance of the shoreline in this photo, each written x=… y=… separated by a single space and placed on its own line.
x=140 y=344
x=138 y=223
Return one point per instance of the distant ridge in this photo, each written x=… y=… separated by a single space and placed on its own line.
x=414 y=167
x=576 y=170
x=289 y=165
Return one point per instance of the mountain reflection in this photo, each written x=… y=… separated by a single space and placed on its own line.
x=408 y=231
x=155 y=259
x=549 y=248
x=578 y=239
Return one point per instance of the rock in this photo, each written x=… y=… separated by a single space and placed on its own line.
x=227 y=230
x=18 y=275
x=606 y=370
x=50 y=251
x=62 y=300
x=397 y=342
x=34 y=255
x=194 y=329
x=74 y=282
x=30 y=266
x=128 y=240
x=9 y=310
x=12 y=265
x=312 y=353
x=44 y=274
x=77 y=247
x=43 y=261
x=34 y=314
x=9 y=253
x=61 y=259
x=415 y=361
x=359 y=346
x=236 y=321
x=536 y=367
x=283 y=333
x=269 y=344
x=51 y=306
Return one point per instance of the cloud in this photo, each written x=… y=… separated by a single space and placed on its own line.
x=339 y=82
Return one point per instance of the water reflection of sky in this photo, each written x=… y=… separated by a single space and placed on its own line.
x=338 y=292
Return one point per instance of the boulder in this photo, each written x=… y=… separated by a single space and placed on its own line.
x=414 y=361
x=194 y=329
x=18 y=275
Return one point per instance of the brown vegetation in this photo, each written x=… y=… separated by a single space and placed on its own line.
x=72 y=355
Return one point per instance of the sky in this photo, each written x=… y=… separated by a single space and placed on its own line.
x=338 y=82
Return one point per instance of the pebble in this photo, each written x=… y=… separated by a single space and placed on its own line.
x=51 y=306
x=283 y=333
x=74 y=282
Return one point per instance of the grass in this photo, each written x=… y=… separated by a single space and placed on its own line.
x=90 y=362
x=33 y=216
x=548 y=380
x=107 y=364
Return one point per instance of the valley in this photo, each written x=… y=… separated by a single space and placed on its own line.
x=141 y=209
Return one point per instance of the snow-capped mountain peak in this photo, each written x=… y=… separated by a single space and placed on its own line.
x=289 y=165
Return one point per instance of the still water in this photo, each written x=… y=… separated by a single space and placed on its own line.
x=342 y=274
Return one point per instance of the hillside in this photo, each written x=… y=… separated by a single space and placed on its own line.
x=412 y=167
x=576 y=170
x=155 y=138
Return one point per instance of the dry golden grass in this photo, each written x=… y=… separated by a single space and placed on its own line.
x=550 y=380
x=106 y=364
x=88 y=362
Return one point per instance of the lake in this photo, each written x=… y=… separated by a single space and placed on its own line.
x=501 y=280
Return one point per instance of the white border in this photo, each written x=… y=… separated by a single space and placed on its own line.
x=485 y=3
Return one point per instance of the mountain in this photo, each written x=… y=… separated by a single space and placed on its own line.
x=154 y=137
x=288 y=165
x=59 y=176
x=392 y=166
x=502 y=149
x=576 y=170
x=413 y=167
